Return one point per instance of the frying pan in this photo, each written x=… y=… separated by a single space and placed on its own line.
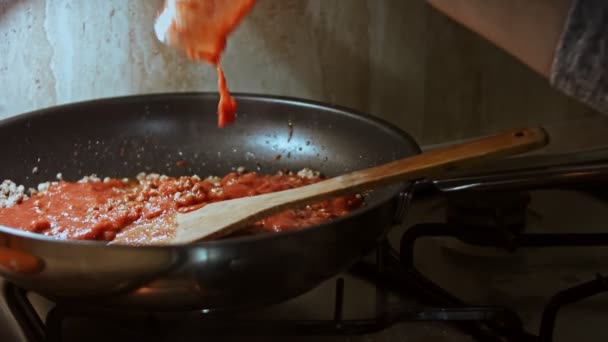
x=120 y=137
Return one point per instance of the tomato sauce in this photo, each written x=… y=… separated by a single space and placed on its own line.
x=226 y=109
x=99 y=210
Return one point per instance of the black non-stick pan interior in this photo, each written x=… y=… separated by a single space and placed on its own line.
x=120 y=137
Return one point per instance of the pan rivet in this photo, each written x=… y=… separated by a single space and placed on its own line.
x=519 y=134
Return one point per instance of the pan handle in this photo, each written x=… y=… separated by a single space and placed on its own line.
x=527 y=178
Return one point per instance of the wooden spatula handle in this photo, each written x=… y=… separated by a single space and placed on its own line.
x=426 y=164
x=449 y=158
x=221 y=218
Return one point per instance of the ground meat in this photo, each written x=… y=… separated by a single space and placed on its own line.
x=11 y=194
x=101 y=209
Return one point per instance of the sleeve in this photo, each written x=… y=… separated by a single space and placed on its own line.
x=580 y=65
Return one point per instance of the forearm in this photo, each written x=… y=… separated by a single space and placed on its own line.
x=527 y=29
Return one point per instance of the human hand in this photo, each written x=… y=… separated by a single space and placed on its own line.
x=199 y=28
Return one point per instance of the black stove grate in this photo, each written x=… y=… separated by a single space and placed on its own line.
x=510 y=241
x=390 y=273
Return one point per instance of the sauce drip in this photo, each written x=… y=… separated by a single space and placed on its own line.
x=200 y=28
x=227 y=107
x=96 y=210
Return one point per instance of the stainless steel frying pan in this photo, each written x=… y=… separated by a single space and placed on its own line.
x=120 y=137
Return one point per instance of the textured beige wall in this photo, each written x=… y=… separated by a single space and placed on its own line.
x=397 y=59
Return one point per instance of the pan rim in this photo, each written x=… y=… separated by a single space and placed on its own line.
x=269 y=98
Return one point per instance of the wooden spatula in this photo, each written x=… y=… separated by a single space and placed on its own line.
x=221 y=218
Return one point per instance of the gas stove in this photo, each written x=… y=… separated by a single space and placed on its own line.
x=518 y=255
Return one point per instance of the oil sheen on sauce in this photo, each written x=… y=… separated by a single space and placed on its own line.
x=200 y=28
x=102 y=210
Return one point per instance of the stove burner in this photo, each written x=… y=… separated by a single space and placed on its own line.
x=478 y=219
x=472 y=319
x=488 y=210
x=504 y=240
x=392 y=271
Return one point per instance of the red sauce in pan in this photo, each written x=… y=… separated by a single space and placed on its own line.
x=99 y=210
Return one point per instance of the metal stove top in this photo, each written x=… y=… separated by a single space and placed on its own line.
x=505 y=262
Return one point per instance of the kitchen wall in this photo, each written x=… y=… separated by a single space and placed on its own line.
x=397 y=59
